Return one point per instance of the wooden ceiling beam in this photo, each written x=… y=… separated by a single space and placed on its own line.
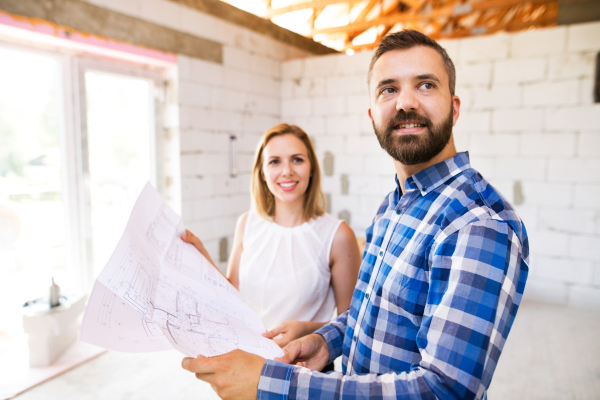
x=392 y=9
x=365 y=11
x=414 y=4
x=547 y=18
x=441 y=12
x=314 y=16
x=302 y=6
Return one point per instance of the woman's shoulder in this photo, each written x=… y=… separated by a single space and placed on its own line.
x=344 y=234
x=242 y=219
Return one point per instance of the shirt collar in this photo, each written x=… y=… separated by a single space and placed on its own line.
x=431 y=178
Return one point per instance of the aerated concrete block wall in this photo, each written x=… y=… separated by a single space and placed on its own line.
x=241 y=98
x=527 y=119
x=238 y=97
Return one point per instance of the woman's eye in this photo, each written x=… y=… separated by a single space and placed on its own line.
x=273 y=162
x=298 y=160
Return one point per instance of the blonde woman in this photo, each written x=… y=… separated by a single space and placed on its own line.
x=294 y=263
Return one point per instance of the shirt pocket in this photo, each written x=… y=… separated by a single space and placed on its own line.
x=404 y=289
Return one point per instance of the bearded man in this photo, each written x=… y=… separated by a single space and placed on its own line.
x=442 y=275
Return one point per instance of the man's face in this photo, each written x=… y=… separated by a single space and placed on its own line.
x=412 y=109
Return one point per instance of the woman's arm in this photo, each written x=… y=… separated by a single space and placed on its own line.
x=190 y=238
x=345 y=262
x=233 y=268
x=236 y=251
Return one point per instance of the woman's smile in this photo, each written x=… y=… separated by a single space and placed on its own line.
x=288 y=186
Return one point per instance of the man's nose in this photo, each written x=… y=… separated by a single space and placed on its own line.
x=407 y=101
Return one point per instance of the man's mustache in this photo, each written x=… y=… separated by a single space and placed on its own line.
x=403 y=116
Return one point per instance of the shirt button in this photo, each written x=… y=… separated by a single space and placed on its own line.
x=398 y=212
x=424 y=189
x=367 y=296
x=381 y=253
x=354 y=338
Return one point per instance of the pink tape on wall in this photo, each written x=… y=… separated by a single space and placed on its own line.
x=43 y=32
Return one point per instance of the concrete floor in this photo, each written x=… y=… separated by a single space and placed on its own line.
x=552 y=353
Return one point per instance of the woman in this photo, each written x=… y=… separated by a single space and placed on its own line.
x=290 y=260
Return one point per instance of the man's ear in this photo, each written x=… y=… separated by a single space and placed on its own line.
x=370 y=114
x=456 y=109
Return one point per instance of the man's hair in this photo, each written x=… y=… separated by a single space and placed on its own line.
x=262 y=198
x=407 y=39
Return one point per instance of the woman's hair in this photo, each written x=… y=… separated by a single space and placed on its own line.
x=262 y=198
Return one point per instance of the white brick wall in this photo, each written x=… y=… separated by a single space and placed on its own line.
x=527 y=116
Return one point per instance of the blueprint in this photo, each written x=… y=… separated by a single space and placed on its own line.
x=157 y=292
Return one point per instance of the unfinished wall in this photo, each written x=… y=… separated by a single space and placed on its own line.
x=239 y=97
x=527 y=119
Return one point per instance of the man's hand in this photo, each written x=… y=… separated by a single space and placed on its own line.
x=310 y=351
x=233 y=375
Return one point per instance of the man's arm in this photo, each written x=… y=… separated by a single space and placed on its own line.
x=477 y=277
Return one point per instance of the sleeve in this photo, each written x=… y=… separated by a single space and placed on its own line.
x=333 y=333
x=477 y=278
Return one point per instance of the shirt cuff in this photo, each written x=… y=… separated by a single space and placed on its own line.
x=334 y=341
x=274 y=382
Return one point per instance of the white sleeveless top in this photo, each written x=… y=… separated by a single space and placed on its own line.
x=284 y=272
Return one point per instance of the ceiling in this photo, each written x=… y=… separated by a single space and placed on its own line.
x=356 y=25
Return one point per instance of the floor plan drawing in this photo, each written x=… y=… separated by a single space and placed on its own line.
x=112 y=322
x=162 y=228
x=157 y=289
x=140 y=290
x=106 y=309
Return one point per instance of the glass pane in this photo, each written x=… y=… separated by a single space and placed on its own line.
x=32 y=213
x=120 y=120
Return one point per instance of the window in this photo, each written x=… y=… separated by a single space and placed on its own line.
x=78 y=141
x=31 y=182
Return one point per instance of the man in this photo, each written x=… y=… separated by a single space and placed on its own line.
x=443 y=272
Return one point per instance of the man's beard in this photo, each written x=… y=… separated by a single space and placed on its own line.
x=411 y=149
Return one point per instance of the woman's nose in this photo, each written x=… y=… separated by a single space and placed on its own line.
x=287 y=170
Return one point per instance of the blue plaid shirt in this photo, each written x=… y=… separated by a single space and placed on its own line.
x=441 y=281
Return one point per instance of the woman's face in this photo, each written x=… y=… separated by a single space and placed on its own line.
x=286 y=168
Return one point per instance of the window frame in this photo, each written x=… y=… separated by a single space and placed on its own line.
x=81 y=65
x=75 y=188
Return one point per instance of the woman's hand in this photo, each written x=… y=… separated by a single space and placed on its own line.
x=292 y=330
x=189 y=237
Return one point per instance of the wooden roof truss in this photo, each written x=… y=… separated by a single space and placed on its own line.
x=439 y=19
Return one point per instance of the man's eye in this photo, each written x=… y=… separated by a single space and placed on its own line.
x=387 y=90
x=427 y=85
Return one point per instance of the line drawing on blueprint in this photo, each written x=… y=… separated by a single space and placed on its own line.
x=198 y=323
x=162 y=229
x=158 y=292
x=106 y=308
x=134 y=279
x=114 y=314
x=184 y=258
x=151 y=328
